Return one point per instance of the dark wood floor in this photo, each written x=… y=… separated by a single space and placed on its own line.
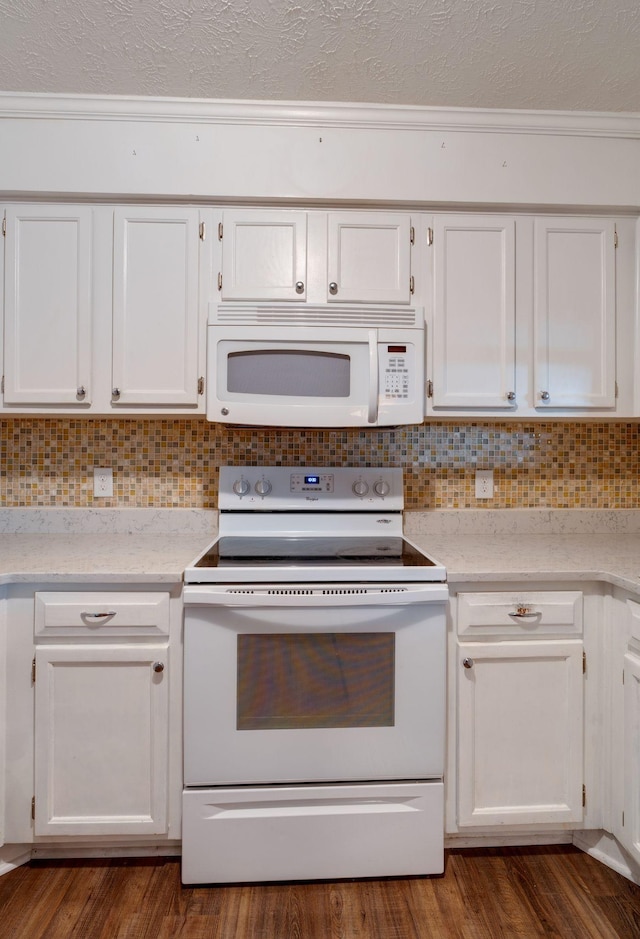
x=507 y=894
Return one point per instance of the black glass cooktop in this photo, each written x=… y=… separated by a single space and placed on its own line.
x=305 y=551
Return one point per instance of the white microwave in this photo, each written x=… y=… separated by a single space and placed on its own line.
x=314 y=366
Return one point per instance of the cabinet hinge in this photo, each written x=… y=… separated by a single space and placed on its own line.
x=220 y=229
x=429 y=237
x=615 y=237
x=203 y=231
x=584 y=662
x=33 y=672
x=584 y=796
x=2 y=384
x=623 y=819
x=412 y=235
x=220 y=281
x=201 y=385
x=4 y=226
x=429 y=389
x=412 y=284
x=33 y=809
x=616 y=384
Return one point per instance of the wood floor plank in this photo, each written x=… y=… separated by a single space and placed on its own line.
x=515 y=893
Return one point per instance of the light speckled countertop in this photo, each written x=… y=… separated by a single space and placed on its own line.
x=101 y=545
x=145 y=545
x=543 y=545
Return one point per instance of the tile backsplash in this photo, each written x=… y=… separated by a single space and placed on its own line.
x=173 y=463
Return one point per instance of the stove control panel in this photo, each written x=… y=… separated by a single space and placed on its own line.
x=336 y=488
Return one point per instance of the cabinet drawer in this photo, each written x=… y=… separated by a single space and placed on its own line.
x=519 y=614
x=101 y=614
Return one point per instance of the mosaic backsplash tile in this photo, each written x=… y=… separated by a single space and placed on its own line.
x=174 y=463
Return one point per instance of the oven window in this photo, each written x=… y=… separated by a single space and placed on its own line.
x=297 y=681
x=296 y=372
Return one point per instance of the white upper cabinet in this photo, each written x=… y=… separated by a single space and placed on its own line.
x=105 y=309
x=155 y=306
x=316 y=257
x=47 y=305
x=574 y=313
x=524 y=316
x=264 y=255
x=369 y=257
x=473 y=339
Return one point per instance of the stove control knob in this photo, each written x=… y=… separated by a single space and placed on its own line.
x=360 y=487
x=241 y=487
x=263 y=487
x=381 y=488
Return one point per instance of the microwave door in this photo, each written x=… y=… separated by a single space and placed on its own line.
x=372 y=415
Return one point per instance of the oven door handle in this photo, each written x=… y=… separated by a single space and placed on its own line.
x=372 y=414
x=318 y=597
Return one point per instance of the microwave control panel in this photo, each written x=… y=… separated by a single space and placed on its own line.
x=396 y=367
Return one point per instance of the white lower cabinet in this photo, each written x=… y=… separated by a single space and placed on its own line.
x=626 y=731
x=519 y=699
x=101 y=715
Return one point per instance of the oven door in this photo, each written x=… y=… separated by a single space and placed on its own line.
x=314 y=684
x=314 y=377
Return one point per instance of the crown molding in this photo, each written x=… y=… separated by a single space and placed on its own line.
x=28 y=106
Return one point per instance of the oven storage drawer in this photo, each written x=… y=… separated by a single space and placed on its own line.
x=519 y=614
x=101 y=614
x=271 y=833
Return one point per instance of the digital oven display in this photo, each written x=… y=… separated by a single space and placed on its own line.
x=312 y=480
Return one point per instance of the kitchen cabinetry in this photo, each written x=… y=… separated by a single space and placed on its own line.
x=155 y=307
x=105 y=309
x=343 y=257
x=518 y=673
x=524 y=315
x=101 y=713
x=473 y=340
x=627 y=726
x=48 y=305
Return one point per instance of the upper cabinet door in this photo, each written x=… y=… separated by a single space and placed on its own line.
x=574 y=313
x=155 y=306
x=369 y=258
x=264 y=255
x=47 y=305
x=473 y=341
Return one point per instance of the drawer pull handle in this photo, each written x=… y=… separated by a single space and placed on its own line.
x=524 y=611
x=99 y=615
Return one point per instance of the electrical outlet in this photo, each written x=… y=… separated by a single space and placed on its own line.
x=102 y=482
x=484 y=484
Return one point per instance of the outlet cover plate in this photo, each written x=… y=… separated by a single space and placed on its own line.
x=484 y=484
x=102 y=482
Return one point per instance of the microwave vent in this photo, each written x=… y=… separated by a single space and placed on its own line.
x=310 y=315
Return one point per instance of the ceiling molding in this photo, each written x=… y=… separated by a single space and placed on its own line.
x=27 y=106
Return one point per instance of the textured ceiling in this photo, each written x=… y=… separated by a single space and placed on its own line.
x=549 y=54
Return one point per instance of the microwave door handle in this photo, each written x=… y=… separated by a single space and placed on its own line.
x=372 y=415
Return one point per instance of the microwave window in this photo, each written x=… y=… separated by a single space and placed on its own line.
x=289 y=372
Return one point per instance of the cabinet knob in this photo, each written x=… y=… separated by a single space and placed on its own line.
x=511 y=396
x=158 y=666
x=299 y=287
x=81 y=392
x=544 y=395
x=333 y=288
x=115 y=392
x=468 y=663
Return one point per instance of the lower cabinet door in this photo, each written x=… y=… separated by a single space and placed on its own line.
x=630 y=835
x=520 y=733
x=101 y=740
